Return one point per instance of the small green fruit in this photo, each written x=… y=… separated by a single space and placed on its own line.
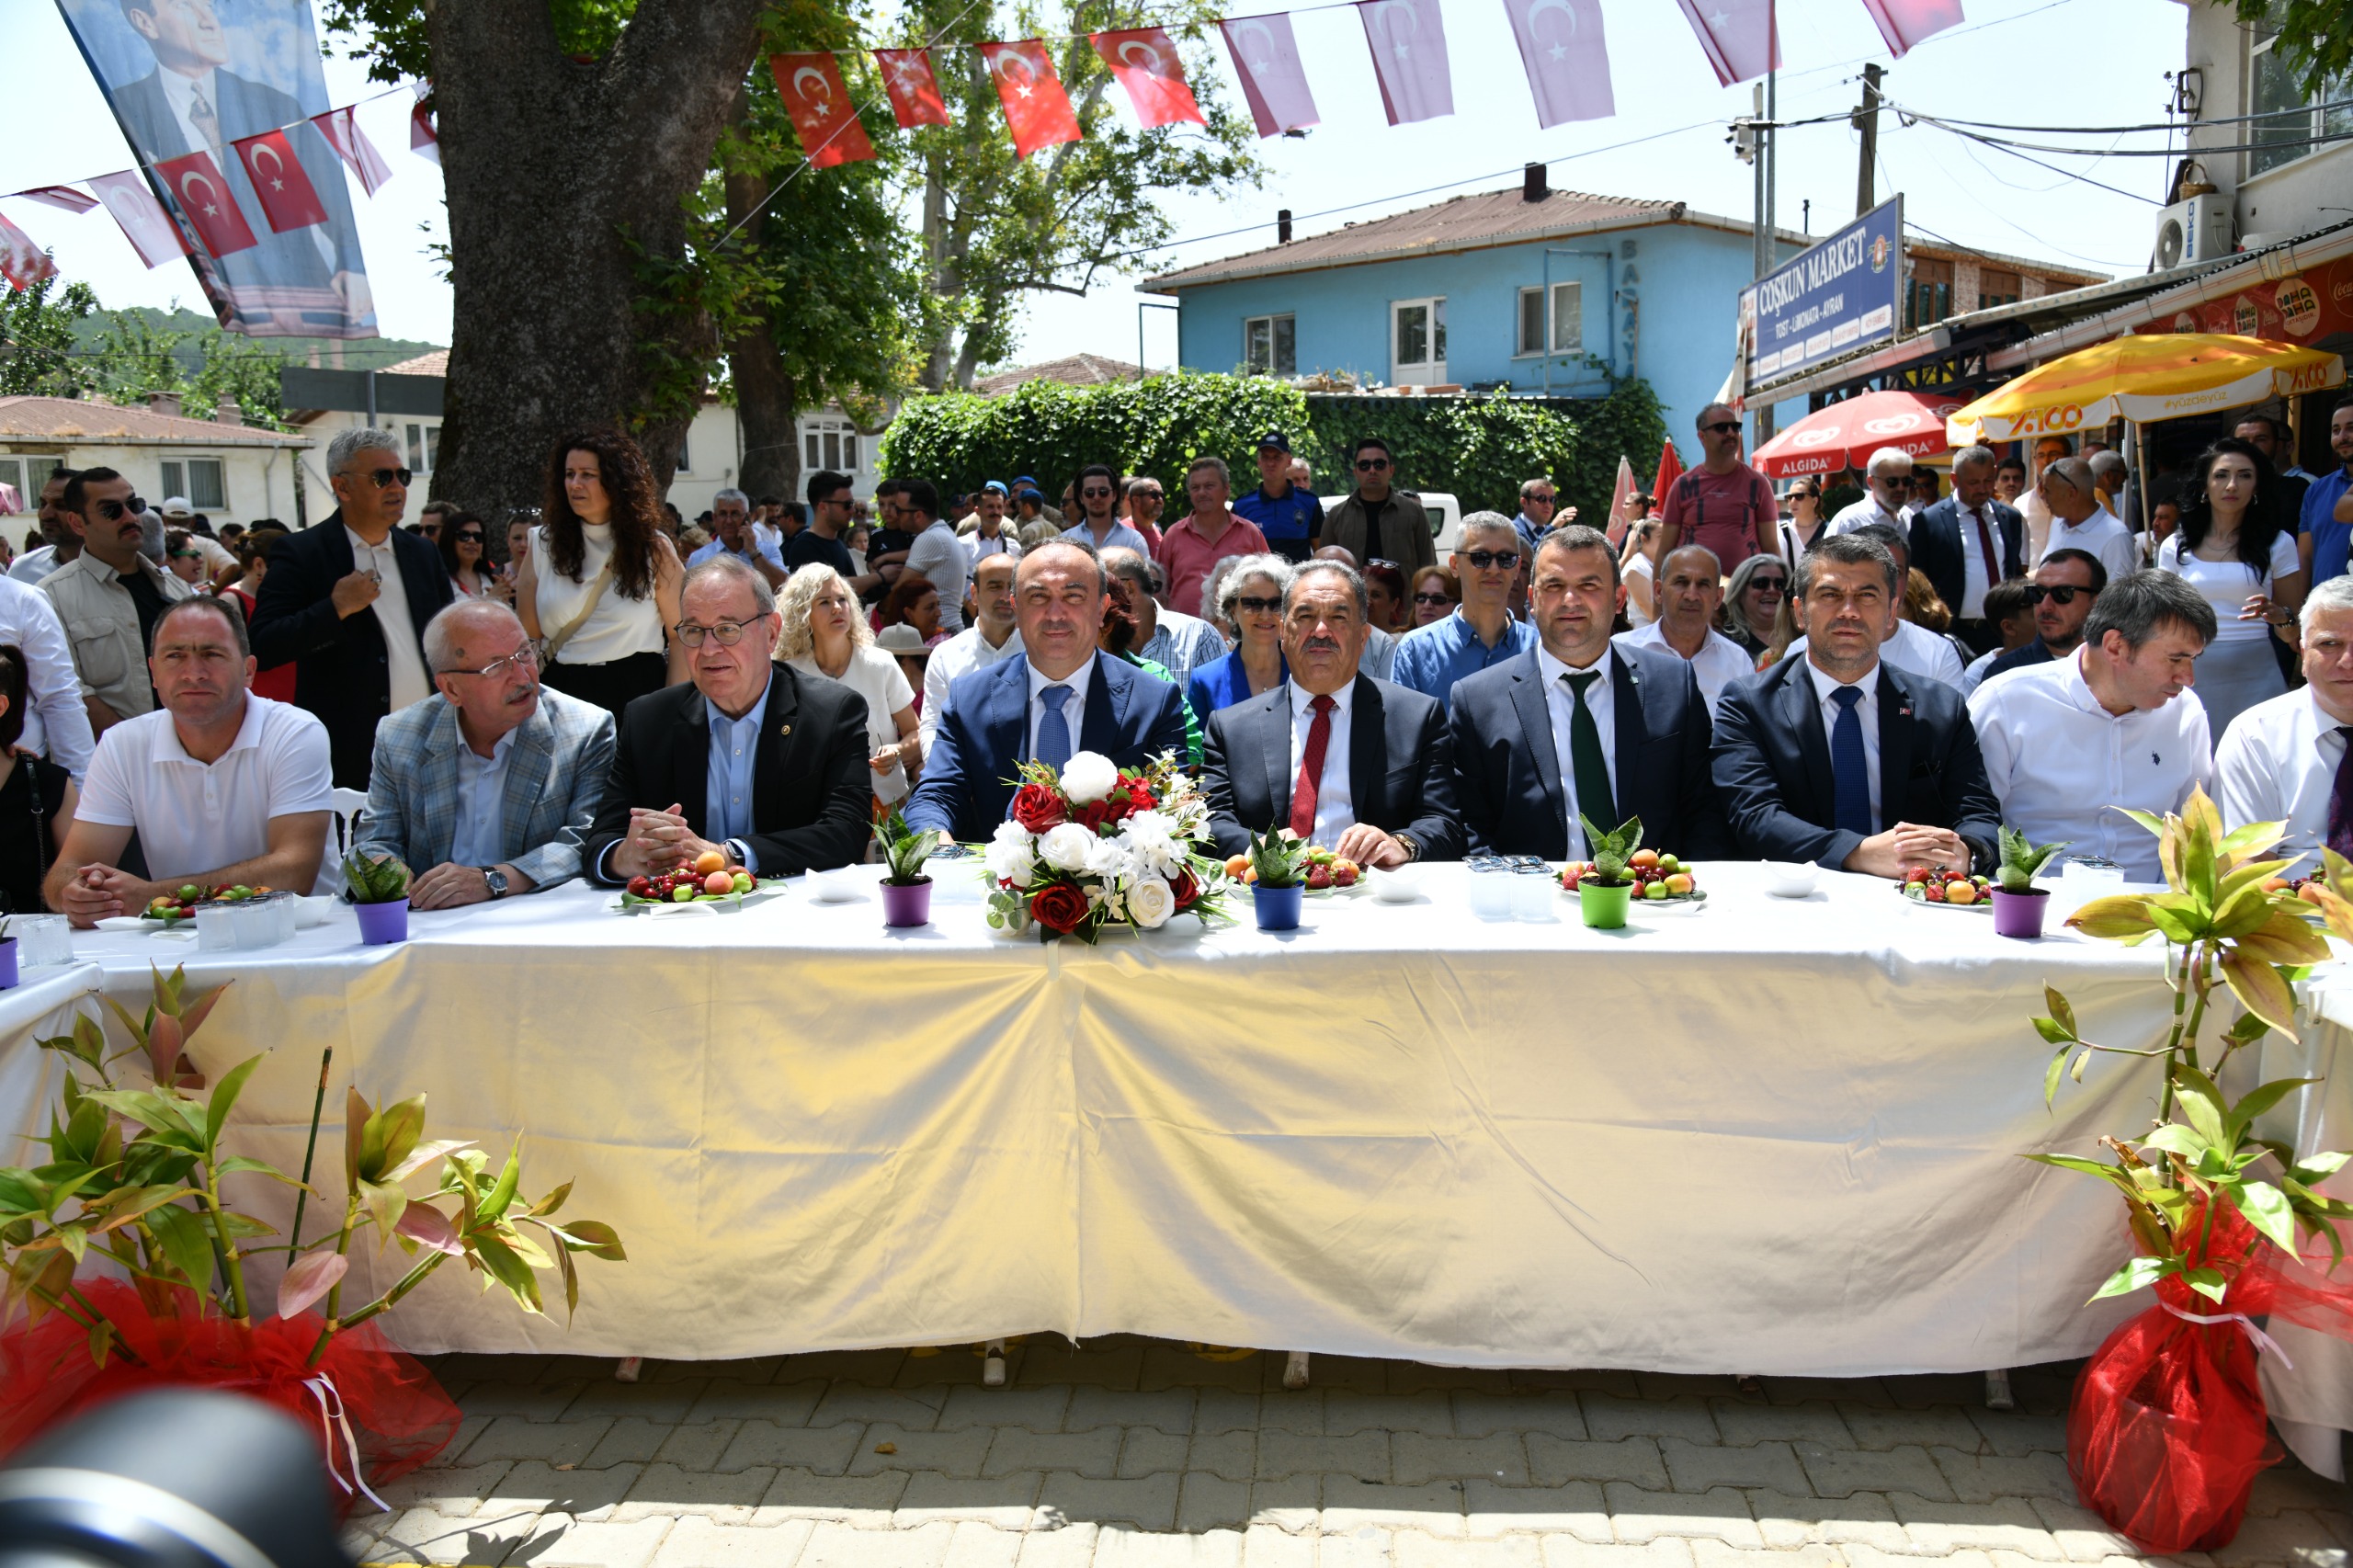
x=1655 y=891
x=743 y=882
x=683 y=894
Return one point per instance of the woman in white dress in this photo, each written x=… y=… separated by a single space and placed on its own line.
x=1805 y=523
x=824 y=634
x=600 y=588
x=1635 y=569
x=2233 y=548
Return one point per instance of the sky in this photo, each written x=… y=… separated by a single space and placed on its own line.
x=2023 y=62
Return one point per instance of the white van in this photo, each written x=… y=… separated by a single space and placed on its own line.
x=1445 y=511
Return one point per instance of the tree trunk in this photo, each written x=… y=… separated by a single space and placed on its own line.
x=766 y=400
x=563 y=179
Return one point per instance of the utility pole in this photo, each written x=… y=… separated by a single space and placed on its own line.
x=1866 y=120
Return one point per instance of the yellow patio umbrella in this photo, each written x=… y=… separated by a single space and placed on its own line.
x=2143 y=378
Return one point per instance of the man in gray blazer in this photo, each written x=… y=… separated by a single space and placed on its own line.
x=486 y=790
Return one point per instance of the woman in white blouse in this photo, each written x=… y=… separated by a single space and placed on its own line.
x=2234 y=548
x=824 y=634
x=600 y=586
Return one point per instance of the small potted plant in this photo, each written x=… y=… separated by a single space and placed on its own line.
x=378 y=888
x=2018 y=902
x=1605 y=892
x=906 y=887
x=1278 y=878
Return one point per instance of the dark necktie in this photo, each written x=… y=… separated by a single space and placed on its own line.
x=1850 y=772
x=1985 y=550
x=1585 y=760
x=1310 y=782
x=2340 y=801
x=200 y=115
x=1053 y=730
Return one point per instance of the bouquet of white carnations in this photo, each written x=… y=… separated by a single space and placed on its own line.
x=1096 y=845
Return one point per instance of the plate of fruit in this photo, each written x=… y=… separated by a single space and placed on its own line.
x=710 y=882
x=1658 y=878
x=1321 y=872
x=1941 y=889
x=168 y=910
x=2306 y=888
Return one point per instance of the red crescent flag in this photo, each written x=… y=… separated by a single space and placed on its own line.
x=351 y=145
x=281 y=185
x=1903 y=23
x=144 y=223
x=423 y=139
x=1408 y=41
x=1146 y=64
x=1035 y=104
x=22 y=263
x=196 y=183
x=64 y=196
x=915 y=92
x=1741 y=37
x=1568 y=64
x=821 y=108
x=1273 y=82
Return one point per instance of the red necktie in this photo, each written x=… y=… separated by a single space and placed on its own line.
x=1984 y=548
x=1311 y=768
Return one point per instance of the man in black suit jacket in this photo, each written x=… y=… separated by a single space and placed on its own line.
x=1376 y=788
x=682 y=781
x=1950 y=537
x=357 y=649
x=1580 y=726
x=1842 y=759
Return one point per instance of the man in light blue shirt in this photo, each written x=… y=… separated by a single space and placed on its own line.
x=1482 y=633
x=732 y=534
x=727 y=790
x=1178 y=642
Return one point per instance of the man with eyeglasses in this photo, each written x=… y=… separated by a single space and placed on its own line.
x=1722 y=504
x=1145 y=502
x=1481 y=631
x=111 y=595
x=2060 y=597
x=751 y=758
x=1887 y=495
x=346 y=602
x=1377 y=522
x=491 y=786
x=1191 y=546
x=1098 y=526
x=1289 y=515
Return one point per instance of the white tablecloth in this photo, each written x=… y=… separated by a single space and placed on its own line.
x=1763 y=1136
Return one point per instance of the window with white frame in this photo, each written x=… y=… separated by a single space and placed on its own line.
x=1417 y=342
x=201 y=480
x=2292 y=118
x=424 y=448
x=1270 y=345
x=26 y=475
x=833 y=444
x=1564 y=330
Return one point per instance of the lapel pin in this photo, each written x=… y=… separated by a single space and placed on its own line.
x=784 y=729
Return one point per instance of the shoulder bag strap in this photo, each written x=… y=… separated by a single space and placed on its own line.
x=564 y=634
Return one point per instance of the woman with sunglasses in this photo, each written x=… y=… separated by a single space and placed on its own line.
x=1806 y=522
x=824 y=633
x=1250 y=611
x=1384 y=592
x=464 y=538
x=2235 y=546
x=1436 y=596
x=599 y=586
x=183 y=559
x=1753 y=610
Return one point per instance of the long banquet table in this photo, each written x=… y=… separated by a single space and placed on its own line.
x=1759 y=1136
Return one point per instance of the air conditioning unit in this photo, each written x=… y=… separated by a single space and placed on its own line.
x=2195 y=230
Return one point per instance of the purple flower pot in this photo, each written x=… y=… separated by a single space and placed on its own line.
x=907 y=904
x=8 y=963
x=2019 y=913
x=381 y=924
x=1278 y=908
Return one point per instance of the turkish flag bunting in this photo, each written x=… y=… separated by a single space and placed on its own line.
x=351 y=145
x=281 y=185
x=64 y=196
x=196 y=184
x=22 y=263
x=915 y=92
x=1035 y=104
x=423 y=139
x=1567 y=60
x=1904 y=23
x=1273 y=82
x=144 y=223
x=821 y=108
x=1742 y=40
x=1408 y=40
x=1146 y=64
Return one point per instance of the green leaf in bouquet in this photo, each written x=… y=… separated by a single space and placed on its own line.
x=2137 y=1273
x=124 y=1205
x=597 y=1239
x=239 y=1225
x=383 y=1201
x=187 y=1244
x=424 y=1154
x=2260 y=990
x=224 y=1097
x=403 y=1124
x=551 y=1202
x=2257 y=1100
x=2211 y=1283
x=2266 y=1209
x=500 y=1262
x=242 y=1164
x=494 y=1205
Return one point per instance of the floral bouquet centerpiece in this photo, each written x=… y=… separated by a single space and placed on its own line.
x=1098 y=846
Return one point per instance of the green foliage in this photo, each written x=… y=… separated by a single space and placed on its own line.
x=2315 y=41
x=375 y=878
x=2021 y=860
x=903 y=850
x=36 y=338
x=1613 y=852
x=1278 y=856
x=65 y=347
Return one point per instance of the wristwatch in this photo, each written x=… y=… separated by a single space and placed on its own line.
x=495 y=880
x=1413 y=850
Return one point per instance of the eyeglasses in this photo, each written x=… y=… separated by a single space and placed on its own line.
x=1367 y=465
x=1485 y=559
x=1250 y=605
x=727 y=632
x=1723 y=427
x=1154 y=496
x=112 y=511
x=470 y=535
x=1537 y=500
x=1432 y=599
x=387 y=477
x=2064 y=594
x=524 y=658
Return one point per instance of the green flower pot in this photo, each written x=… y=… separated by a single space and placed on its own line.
x=1604 y=907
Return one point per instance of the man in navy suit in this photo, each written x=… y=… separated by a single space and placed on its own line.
x=1966 y=543
x=1842 y=759
x=1578 y=726
x=1357 y=766
x=1061 y=697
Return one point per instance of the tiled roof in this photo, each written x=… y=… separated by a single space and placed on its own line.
x=75 y=419
x=1078 y=370
x=434 y=364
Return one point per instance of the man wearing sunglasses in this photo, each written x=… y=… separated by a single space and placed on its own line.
x=1482 y=631
x=110 y=597
x=1722 y=504
x=1887 y=495
x=1377 y=522
x=2060 y=597
x=491 y=786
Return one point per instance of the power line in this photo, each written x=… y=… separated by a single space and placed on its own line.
x=2168 y=126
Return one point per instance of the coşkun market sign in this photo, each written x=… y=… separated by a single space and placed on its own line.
x=1830 y=301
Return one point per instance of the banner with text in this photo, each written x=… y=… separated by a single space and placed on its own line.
x=1844 y=293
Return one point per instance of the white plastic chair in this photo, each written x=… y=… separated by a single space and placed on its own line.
x=346 y=804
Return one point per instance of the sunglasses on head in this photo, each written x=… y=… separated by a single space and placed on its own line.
x=1485 y=559
x=1367 y=465
x=2064 y=594
x=113 y=511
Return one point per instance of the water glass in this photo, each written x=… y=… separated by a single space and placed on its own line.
x=2081 y=880
x=256 y=925
x=216 y=930
x=1491 y=891
x=42 y=939
x=1533 y=892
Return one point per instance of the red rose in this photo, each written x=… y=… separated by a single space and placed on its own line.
x=1060 y=907
x=1038 y=808
x=1188 y=891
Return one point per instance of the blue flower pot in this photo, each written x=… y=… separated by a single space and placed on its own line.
x=1278 y=907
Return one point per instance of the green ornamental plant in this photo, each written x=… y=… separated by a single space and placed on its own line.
x=1279 y=859
x=375 y=878
x=2020 y=862
x=1612 y=852
x=904 y=851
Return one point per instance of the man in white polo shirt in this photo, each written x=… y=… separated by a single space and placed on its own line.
x=222 y=787
x=2113 y=724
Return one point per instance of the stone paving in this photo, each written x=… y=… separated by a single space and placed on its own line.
x=1132 y=1453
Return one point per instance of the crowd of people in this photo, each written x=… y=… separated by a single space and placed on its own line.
x=607 y=691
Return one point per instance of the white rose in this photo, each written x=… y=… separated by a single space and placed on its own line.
x=1088 y=776
x=1150 y=902
x=1151 y=838
x=1012 y=855
x=1067 y=848
x=1110 y=858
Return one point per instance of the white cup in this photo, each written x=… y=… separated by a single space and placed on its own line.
x=42 y=939
x=1533 y=891
x=216 y=930
x=1398 y=886
x=1491 y=897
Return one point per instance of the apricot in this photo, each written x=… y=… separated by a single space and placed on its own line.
x=711 y=860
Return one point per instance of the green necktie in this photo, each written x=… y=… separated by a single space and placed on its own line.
x=1585 y=755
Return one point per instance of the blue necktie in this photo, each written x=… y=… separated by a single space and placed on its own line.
x=1053 y=730
x=1851 y=789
